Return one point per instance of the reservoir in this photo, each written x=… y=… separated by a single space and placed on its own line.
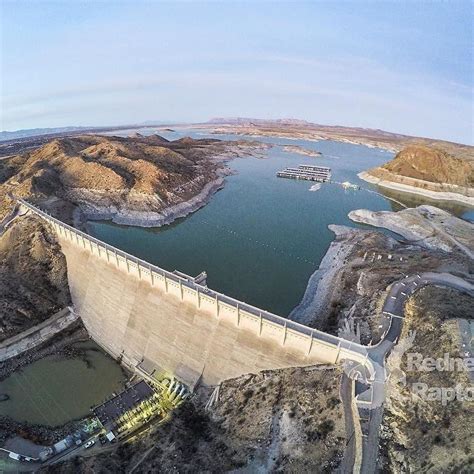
x=261 y=237
x=55 y=390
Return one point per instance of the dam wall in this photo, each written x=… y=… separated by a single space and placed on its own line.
x=144 y=315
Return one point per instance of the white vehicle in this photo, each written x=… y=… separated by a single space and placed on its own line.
x=89 y=444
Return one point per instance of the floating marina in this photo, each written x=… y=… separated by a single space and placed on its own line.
x=321 y=174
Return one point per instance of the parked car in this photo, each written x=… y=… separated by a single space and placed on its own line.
x=89 y=444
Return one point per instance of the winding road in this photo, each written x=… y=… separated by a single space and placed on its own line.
x=393 y=307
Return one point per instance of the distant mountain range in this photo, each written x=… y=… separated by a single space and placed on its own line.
x=247 y=121
x=32 y=132
x=255 y=121
x=294 y=128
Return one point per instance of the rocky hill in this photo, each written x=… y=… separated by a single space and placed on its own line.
x=33 y=281
x=430 y=170
x=432 y=164
x=135 y=180
x=419 y=433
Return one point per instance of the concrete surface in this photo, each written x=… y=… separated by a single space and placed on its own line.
x=36 y=335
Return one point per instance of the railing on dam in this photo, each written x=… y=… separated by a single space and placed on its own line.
x=144 y=267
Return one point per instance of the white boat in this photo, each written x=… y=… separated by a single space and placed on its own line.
x=315 y=187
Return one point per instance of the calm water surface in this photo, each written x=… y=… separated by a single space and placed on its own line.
x=261 y=237
x=53 y=390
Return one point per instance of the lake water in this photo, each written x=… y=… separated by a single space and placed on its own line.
x=261 y=237
x=55 y=390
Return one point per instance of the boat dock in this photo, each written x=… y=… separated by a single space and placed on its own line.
x=307 y=172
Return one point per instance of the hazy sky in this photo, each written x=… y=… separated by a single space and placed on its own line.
x=401 y=66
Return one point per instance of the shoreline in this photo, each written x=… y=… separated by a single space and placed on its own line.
x=426 y=226
x=313 y=308
x=149 y=219
x=314 y=138
x=87 y=211
x=405 y=188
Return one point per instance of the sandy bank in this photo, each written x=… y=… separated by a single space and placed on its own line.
x=438 y=195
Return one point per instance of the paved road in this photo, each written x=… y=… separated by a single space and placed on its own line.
x=394 y=307
x=345 y=392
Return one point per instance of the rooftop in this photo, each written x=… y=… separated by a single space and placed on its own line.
x=114 y=408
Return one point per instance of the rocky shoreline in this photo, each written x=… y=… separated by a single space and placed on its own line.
x=437 y=195
x=314 y=306
x=141 y=218
x=60 y=345
x=118 y=211
x=427 y=226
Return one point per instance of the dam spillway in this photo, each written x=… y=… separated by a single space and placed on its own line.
x=144 y=315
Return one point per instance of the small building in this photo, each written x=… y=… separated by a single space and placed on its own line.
x=60 y=446
x=128 y=409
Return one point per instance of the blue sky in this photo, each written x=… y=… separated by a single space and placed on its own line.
x=400 y=66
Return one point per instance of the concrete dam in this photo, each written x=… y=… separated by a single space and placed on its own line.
x=162 y=321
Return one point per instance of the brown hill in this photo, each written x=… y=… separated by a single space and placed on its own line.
x=144 y=173
x=33 y=280
x=432 y=164
x=429 y=171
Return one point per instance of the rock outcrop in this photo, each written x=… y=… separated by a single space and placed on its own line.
x=428 y=226
x=433 y=165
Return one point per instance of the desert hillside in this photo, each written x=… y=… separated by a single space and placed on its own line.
x=111 y=175
x=427 y=435
x=427 y=170
x=289 y=420
x=431 y=164
x=33 y=281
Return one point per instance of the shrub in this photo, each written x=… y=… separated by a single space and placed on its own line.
x=325 y=428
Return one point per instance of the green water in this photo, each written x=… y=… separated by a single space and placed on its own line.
x=261 y=237
x=7 y=464
x=55 y=390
